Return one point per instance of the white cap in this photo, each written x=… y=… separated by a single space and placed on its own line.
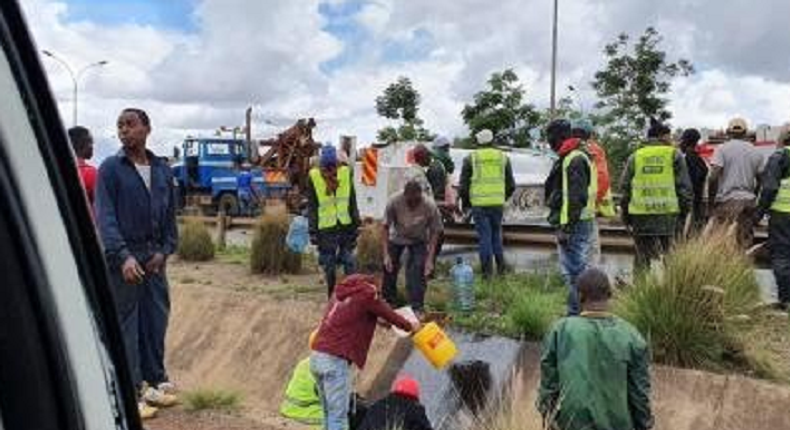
x=441 y=142
x=484 y=137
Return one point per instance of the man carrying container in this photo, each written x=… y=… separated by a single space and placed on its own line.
x=487 y=182
x=657 y=194
x=775 y=201
x=570 y=192
x=333 y=216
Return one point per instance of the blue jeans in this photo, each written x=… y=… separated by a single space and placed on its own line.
x=574 y=255
x=488 y=223
x=143 y=311
x=333 y=380
x=336 y=248
x=415 y=274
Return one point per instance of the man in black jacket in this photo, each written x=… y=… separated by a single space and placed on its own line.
x=400 y=410
x=775 y=200
x=698 y=173
x=570 y=192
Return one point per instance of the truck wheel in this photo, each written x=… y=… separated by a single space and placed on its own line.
x=229 y=203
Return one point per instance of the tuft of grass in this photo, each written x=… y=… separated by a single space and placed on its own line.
x=695 y=310
x=269 y=254
x=188 y=280
x=195 y=242
x=531 y=316
x=212 y=399
x=369 y=252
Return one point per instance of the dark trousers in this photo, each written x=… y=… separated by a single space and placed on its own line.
x=336 y=248
x=143 y=311
x=779 y=244
x=740 y=213
x=649 y=248
x=488 y=224
x=415 y=274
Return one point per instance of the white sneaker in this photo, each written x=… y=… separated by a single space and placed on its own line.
x=167 y=388
x=158 y=398
x=146 y=411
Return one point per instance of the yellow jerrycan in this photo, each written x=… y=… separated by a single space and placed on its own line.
x=435 y=345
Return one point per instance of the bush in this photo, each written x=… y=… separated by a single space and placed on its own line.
x=269 y=254
x=369 y=253
x=695 y=310
x=532 y=315
x=195 y=243
x=217 y=400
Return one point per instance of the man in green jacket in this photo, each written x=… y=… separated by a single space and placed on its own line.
x=595 y=367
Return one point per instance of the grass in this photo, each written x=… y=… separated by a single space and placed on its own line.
x=698 y=308
x=522 y=305
x=234 y=254
x=195 y=242
x=211 y=399
x=269 y=254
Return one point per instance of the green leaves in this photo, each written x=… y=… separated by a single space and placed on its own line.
x=502 y=109
x=400 y=102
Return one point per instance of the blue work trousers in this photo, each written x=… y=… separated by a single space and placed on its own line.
x=574 y=256
x=488 y=223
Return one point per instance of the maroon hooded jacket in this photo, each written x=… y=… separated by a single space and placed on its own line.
x=350 y=320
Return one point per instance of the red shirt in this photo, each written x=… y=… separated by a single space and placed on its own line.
x=88 y=175
x=350 y=320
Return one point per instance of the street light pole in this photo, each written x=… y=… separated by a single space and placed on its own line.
x=75 y=78
x=554 y=61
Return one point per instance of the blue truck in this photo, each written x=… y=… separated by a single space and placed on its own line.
x=207 y=170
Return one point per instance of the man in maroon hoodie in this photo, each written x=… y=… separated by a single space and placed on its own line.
x=344 y=338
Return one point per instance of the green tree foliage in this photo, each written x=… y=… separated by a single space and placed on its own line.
x=401 y=102
x=503 y=110
x=633 y=87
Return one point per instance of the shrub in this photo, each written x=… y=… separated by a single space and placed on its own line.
x=268 y=253
x=369 y=253
x=532 y=315
x=195 y=243
x=695 y=310
x=207 y=399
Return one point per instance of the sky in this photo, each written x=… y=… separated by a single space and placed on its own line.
x=195 y=65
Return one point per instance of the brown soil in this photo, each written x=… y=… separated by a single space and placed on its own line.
x=180 y=420
x=231 y=330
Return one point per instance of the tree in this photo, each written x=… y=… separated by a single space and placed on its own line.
x=633 y=87
x=502 y=109
x=400 y=102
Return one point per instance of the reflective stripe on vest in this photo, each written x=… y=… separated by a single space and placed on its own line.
x=588 y=212
x=782 y=201
x=488 y=178
x=606 y=206
x=301 y=401
x=333 y=209
x=653 y=186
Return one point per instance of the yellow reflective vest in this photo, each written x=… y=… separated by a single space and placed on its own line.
x=301 y=402
x=653 y=185
x=333 y=209
x=588 y=212
x=782 y=201
x=487 y=186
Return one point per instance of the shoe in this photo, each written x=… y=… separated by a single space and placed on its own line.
x=147 y=411
x=167 y=388
x=160 y=399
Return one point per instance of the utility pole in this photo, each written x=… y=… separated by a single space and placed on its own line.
x=75 y=78
x=554 y=61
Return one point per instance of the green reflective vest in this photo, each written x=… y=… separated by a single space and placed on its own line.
x=488 y=178
x=588 y=212
x=653 y=186
x=782 y=201
x=301 y=402
x=333 y=209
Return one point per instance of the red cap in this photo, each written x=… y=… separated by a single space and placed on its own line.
x=406 y=387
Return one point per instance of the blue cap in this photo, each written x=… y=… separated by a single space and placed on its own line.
x=328 y=156
x=582 y=124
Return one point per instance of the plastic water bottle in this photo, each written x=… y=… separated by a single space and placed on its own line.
x=298 y=235
x=463 y=285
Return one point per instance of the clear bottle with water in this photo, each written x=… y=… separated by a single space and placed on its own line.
x=463 y=285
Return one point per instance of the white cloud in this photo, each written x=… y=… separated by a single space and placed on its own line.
x=269 y=54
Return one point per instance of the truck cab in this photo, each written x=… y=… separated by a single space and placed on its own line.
x=207 y=172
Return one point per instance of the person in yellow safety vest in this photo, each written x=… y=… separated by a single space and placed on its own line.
x=656 y=194
x=487 y=182
x=604 y=204
x=333 y=216
x=570 y=193
x=302 y=402
x=775 y=200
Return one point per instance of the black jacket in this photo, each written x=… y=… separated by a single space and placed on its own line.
x=578 y=187
x=396 y=412
x=466 y=181
x=777 y=168
x=312 y=209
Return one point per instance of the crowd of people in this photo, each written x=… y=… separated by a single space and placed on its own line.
x=591 y=354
